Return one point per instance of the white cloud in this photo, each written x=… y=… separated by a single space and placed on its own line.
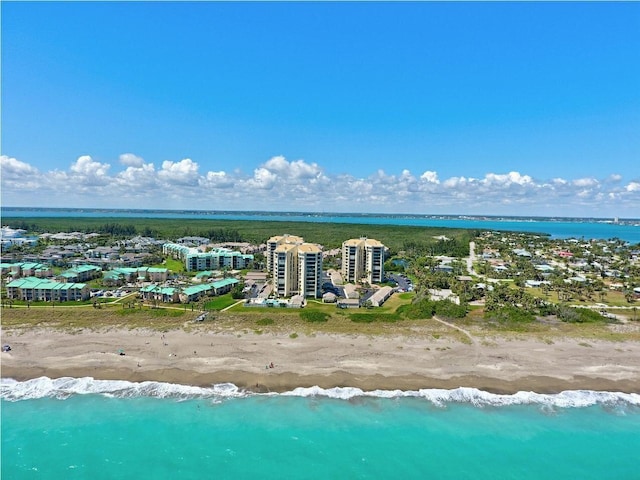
x=142 y=177
x=296 y=170
x=585 y=182
x=262 y=179
x=217 y=180
x=184 y=172
x=14 y=168
x=633 y=187
x=279 y=184
x=455 y=182
x=430 y=177
x=507 y=179
x=85 y=166
x=131 y=160
x=614 y=177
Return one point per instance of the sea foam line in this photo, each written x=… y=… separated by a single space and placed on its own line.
x=64 y=387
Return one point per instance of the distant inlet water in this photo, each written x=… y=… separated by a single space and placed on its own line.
x=587 y=228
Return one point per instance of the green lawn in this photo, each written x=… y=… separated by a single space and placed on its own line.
x=172 y=264
x=218 y=303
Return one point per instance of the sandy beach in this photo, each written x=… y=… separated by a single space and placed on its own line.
x=202 y=357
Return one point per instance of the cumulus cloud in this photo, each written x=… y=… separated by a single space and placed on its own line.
x=217 y=180
x=585 y=182
x=142 y=177
x=633 y=187
x=263 y=179
x=280 y=184
x=296 y=170
x=14 y=168
x=507 y=179
x=184 y=172
x=614 y=178
x=430 y=177
x=87 y=167
x=131 y=160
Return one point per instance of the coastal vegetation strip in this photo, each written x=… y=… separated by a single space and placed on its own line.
x=330 y=235
x=314 y=319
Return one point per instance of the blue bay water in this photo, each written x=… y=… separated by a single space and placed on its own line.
x=556 y=228
x=127 y=435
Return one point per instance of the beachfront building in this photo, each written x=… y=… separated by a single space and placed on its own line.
x=26 y=269
x=297 y=270
x=81 y=273
x=187 y=294
x=309 y=270
x=362 y=258
x=380 y=296
x=119 y=276
x=32 y=289
x=216 y=259
x=276 y=241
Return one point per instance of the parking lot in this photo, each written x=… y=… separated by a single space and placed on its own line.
x=403 y=282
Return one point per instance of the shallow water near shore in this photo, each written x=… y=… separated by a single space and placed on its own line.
x=83 y=428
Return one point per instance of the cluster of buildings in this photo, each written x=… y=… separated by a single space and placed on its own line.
x=296 y=266
x=196 y=260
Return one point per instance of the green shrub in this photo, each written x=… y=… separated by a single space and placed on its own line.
x=448 y=309
x=578 y=315
x=510 y=315
x=418 y=310
x=314 y=316
x=374 y=317
x=265 y=321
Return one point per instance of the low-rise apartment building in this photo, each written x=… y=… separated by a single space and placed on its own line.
x=216 y=259
x=32 y=289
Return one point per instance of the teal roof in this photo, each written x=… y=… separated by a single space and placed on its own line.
x=225 y=282
x=41 y=284
x=158 y=289
x=125 y=270
x=29 y=266
x=194 y=290
x=85 y=268
x=206 y=273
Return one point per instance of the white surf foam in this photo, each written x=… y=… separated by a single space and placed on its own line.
x=61 y=388
x=473 y=396
x=64 y=387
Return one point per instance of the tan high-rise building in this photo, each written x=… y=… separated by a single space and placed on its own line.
x=273 y=243
x=362 y=258
x=309 y=270
x=296 y=268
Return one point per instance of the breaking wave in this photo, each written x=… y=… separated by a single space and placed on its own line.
x=62 y=388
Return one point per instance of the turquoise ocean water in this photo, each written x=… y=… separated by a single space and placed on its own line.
x=82 y=428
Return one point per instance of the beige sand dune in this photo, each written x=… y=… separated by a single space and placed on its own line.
x=369 y=362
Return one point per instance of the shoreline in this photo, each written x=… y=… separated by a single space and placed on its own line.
x=285 y=382
x=203 y=358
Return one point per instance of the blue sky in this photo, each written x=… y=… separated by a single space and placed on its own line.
x=477 y=108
